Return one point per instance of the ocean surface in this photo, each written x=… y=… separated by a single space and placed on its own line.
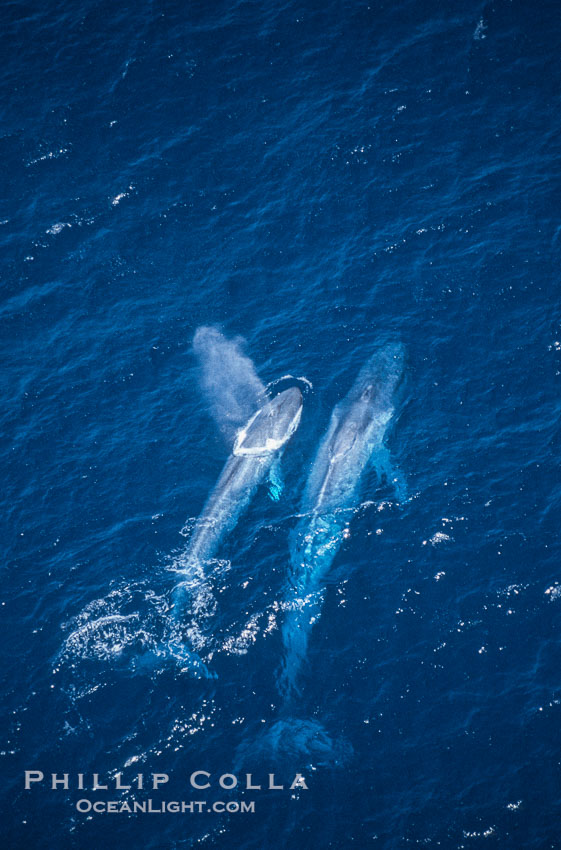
x=316 y=179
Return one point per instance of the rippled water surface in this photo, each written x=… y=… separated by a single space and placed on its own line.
x=319 y=179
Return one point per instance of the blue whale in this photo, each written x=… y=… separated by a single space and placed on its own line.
x=353 y=441
x=257 y=447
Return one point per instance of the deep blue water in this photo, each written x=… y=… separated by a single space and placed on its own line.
x=317 y=178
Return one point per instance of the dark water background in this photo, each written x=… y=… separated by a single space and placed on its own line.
x=318 y=178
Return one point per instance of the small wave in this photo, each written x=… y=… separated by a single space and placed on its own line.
x=55 y=154
x=57 y=228
x=107 y=637
x=480 y=30
x=141 y=640
x=105 y=629
x=116 y=200
x=554 y=592
x=239 y=645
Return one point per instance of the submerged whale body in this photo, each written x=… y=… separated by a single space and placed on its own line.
x=354 y=439
x=256 y=449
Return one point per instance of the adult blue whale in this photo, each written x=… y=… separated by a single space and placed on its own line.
x=353 y=440
x=256 y=449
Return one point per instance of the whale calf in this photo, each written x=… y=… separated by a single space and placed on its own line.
x=354 y=439
x=257 y=447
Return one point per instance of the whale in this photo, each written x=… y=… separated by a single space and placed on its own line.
x=255 y=454
x=353 y=442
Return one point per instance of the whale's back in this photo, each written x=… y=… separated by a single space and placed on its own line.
x=358 y=425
